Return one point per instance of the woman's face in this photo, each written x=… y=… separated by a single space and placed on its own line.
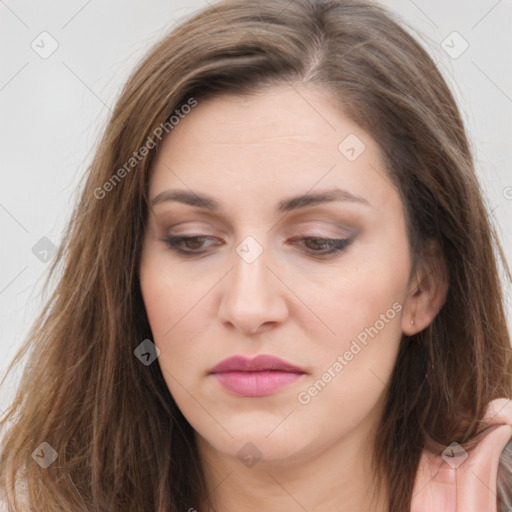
x=302 y=255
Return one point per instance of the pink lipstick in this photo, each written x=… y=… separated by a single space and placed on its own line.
x=260 y=376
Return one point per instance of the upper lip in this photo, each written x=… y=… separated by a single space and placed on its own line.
x=258 y=363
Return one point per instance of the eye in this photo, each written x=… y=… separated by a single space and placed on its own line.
x=191 y=243
x=324 y=246
x=319 y=247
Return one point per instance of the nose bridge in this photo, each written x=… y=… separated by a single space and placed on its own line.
x=251 y=294
x=249 y=280
x=250 y=267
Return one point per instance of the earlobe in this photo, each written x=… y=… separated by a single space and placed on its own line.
x=428 y=291
x=409 y=323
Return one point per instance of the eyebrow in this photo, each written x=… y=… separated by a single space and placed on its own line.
x=286 y=205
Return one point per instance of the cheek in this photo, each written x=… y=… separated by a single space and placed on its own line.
x=363 y=308
x=369 y=289
x=355 y=365
x=170 y=297
x=177 y=311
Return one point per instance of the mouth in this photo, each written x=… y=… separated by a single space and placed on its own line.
x=257 y=377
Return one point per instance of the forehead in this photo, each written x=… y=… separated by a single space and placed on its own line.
x=284 y=139
x=279 y=111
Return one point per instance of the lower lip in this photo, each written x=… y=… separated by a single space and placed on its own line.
x=261 y=383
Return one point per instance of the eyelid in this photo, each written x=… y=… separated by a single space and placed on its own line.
x=344 y=220
x=308 y=225
x=338 y=246
x=335 y=230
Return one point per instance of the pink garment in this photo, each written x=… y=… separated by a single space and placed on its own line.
x=464 y=482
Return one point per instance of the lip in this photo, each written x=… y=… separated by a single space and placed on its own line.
x=260 y=376
x=255 y=364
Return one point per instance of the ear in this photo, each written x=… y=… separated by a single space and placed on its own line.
x=428 y=288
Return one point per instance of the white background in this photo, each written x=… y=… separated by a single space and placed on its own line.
x=54 y=109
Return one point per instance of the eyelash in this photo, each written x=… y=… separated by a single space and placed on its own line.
x=338 y=245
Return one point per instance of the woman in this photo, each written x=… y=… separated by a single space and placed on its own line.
x=279 y=288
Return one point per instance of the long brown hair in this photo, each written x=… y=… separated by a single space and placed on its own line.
x=121 y=442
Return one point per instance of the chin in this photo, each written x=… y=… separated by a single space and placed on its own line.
x=252 y=442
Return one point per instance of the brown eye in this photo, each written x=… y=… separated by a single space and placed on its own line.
x=194 y=242
x=316 y=243
x=187 y=245
x=324 y=246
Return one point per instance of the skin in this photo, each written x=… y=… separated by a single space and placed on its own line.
x=250 y=153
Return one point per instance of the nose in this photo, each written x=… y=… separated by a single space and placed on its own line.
x=252 y=297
